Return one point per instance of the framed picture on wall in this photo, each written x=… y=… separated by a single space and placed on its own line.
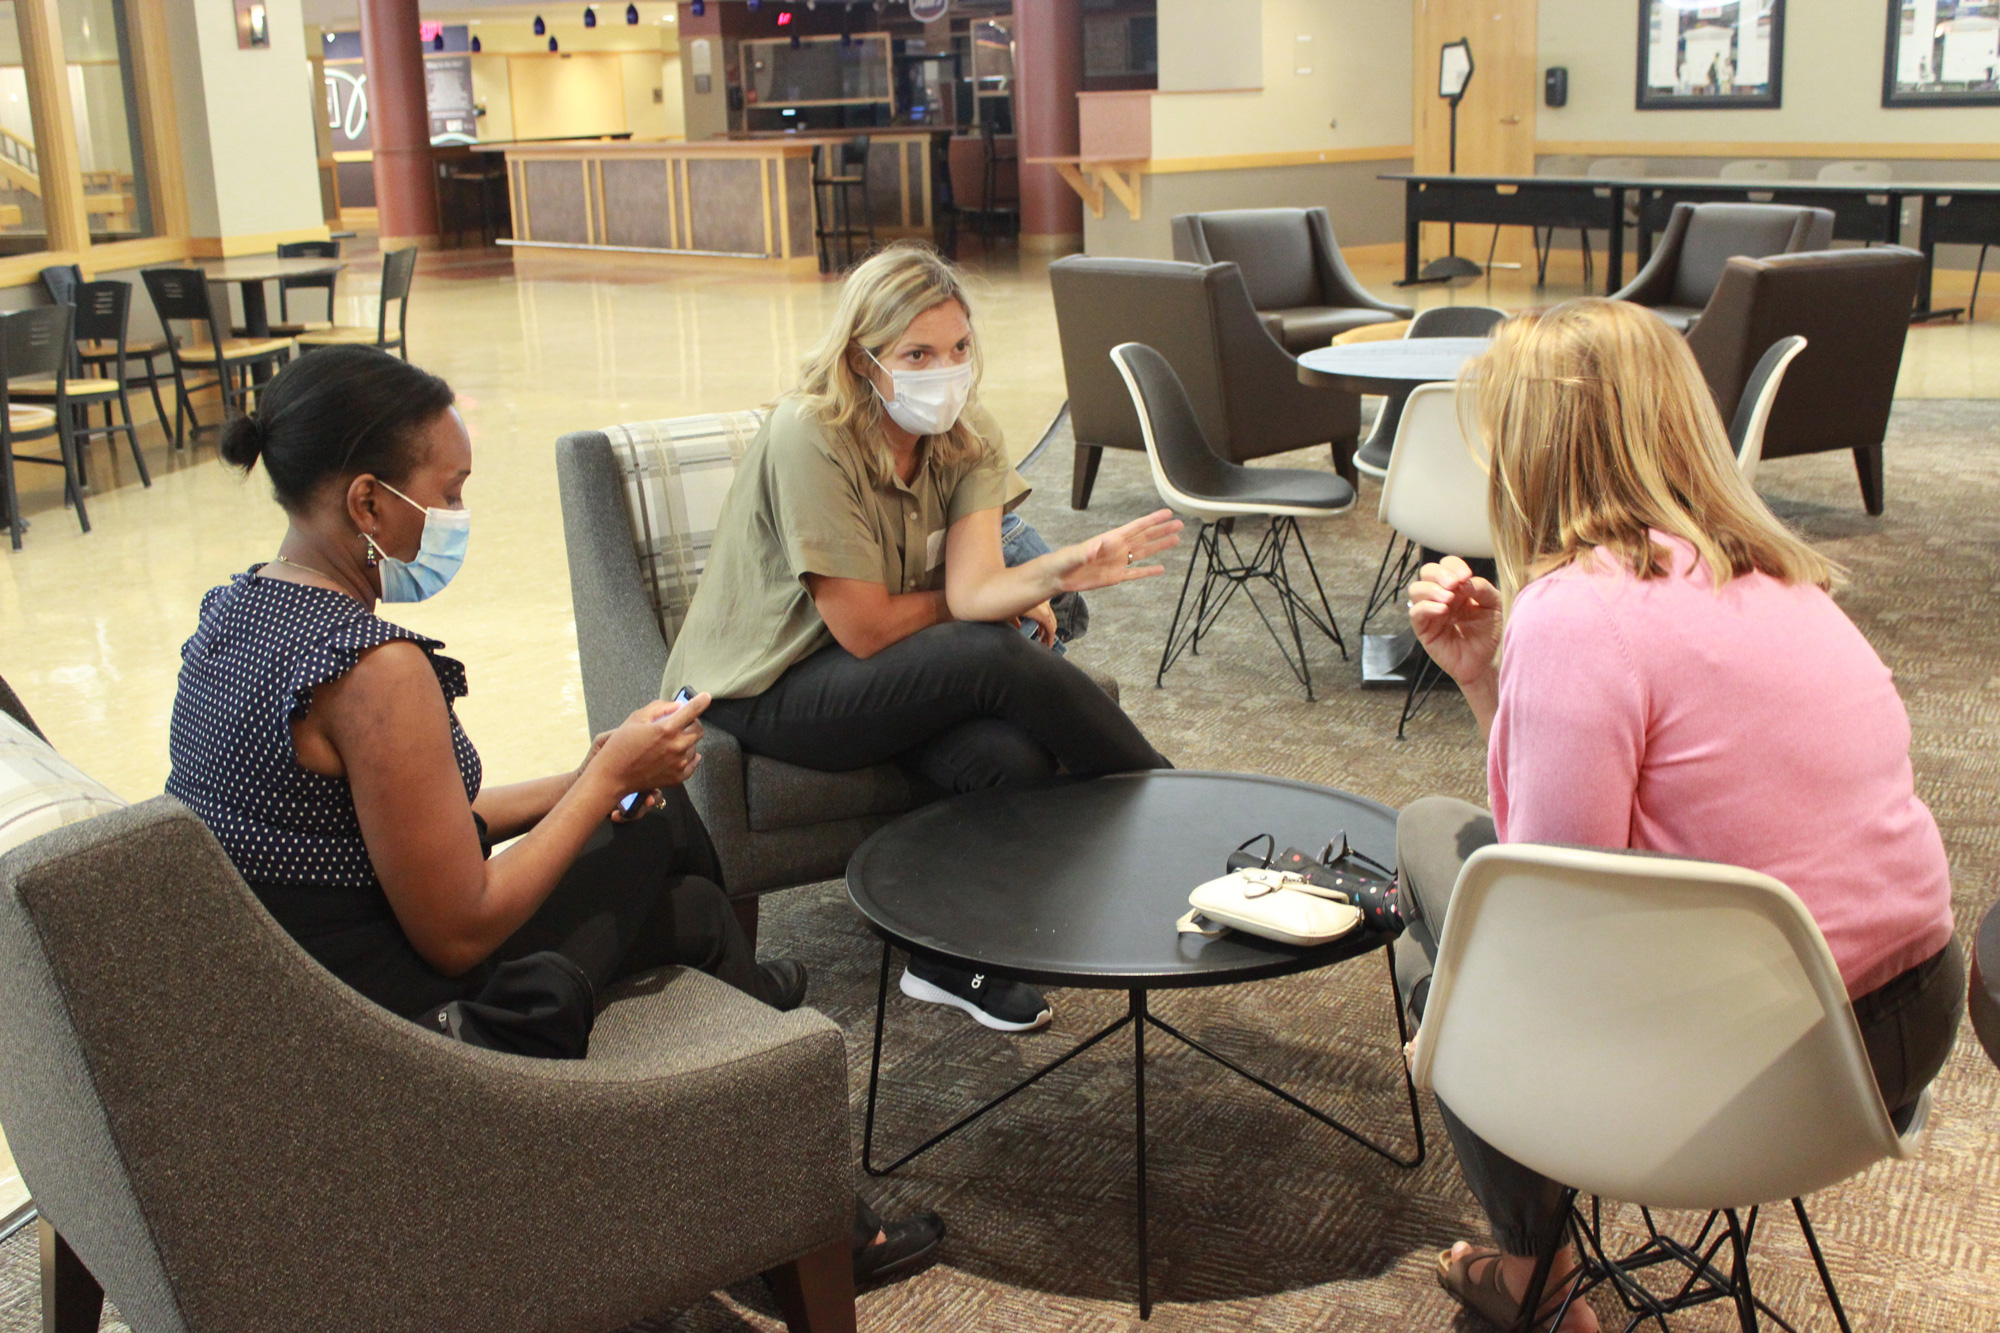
x=1696 y=54
x=1942 y=53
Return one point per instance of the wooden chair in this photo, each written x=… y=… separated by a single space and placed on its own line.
x=95 y=357
x=397 y=268
x=286 y=326
x=35 y=343
x=102 y=310
x=181 y=296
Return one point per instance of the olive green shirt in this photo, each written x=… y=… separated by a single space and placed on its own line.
x=800 y=504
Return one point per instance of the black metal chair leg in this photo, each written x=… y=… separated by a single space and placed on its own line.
x=131 y=434
x=1819 y=1262
x=1137 y=1011
x=15 y=525
x=1972 y=306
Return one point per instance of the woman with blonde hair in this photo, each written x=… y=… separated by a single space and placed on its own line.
x=856 y=607
x=1675 y=678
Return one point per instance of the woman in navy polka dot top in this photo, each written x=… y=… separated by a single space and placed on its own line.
x=319 y=743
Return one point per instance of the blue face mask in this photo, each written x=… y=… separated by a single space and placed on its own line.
x=439 y=556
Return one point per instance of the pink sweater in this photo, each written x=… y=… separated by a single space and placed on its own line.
x=1751 y=725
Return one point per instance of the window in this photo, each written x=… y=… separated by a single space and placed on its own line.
x=104 y=98
x=23 y=224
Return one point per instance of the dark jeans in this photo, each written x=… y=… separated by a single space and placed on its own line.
x=966 y=705
x=1908 y=1024
x=639 y=896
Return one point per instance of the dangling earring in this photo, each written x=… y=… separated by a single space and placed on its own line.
x=373 y=555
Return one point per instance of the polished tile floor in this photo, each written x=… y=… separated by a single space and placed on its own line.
x=91 y=625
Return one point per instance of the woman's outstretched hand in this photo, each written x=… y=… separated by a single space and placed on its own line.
x=1456 y=616
x=1117 y=556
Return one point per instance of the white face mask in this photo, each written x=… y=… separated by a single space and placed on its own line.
x=927 y=402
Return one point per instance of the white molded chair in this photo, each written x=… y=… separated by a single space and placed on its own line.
x=1434 y=497
x=1857 y=173
x=1757 y=169
x=1193 y=479
x=1689 y=1046
x=1753 y=410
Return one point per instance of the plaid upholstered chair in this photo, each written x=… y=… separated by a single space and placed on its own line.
x=220 y=1135
x=639 y=508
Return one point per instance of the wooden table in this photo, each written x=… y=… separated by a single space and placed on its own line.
x=251 y=272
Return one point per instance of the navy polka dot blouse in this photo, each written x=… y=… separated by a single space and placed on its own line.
x=246 y=675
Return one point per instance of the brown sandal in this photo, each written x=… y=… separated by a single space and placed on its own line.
x=1487 y=1295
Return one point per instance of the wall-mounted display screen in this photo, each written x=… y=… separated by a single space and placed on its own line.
x=1942 y=53
x=819 y=71
x=1695 y=54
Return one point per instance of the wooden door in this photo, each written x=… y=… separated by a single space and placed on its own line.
x=1496 y=119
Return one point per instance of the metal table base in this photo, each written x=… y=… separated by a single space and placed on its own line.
x=1138 y=1017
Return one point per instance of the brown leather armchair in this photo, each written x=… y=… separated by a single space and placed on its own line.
x=1298 y=282
x=1853 y=309
x=1244 y=387
x=1700 y=238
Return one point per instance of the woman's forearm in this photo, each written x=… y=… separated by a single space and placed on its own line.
x=513 y=809
x=1483 y=697
x=1005 y=593
x=520 y=879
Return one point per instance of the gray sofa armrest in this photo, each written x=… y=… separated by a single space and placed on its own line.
x=283 y=1138
x=619 y=645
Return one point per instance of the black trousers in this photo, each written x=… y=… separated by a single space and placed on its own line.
x=639 y=896
x=1908 y=1024
x=966 y=705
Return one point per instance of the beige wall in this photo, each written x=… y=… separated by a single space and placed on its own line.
x=490 y=90
x=1211 y=44
x=1356 y=96
x=1832 y=84
x=245 y=122
x=626 y=64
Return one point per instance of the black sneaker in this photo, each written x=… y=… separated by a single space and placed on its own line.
x=1009 y=1006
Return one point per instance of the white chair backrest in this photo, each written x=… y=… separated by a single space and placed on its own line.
x=1615 y=168
x=1434 y=492
x=1756 y=169
x=1561 y=164
x=1657 y=1031
x=1763 y=388
x=1858 y=173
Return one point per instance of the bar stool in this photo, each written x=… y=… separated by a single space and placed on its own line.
x=849 y=173
x=991 y=207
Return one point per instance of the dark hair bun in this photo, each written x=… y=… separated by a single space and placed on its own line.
x=336 y=413
x=242 y=441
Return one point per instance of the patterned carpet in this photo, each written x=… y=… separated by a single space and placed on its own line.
x=1263 y=1220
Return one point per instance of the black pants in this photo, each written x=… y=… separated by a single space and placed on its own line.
x=966 y=705
x=639 y=896
x=1908 y=1024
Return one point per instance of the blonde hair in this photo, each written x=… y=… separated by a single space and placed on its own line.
x=1601 y=430
x=878 y=301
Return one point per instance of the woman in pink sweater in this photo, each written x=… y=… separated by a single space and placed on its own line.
x=1675 y=679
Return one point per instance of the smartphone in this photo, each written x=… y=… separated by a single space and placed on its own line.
x=637 y=798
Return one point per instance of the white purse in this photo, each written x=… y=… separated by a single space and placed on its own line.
x=1273 y=904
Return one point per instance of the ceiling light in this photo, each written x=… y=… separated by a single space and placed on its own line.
x=589 y=17
x=540 y=27
x=437 y=42
x=631 y=15
x=699 y=8
x=475 y=46
x=552 y=44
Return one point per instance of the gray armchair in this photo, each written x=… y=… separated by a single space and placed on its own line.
x=1701 y=238
x=1243 y=386
x=1300 y=285
x=222 y=1136
x=774 y=825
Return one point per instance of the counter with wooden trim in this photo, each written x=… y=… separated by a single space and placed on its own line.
x=736 y=200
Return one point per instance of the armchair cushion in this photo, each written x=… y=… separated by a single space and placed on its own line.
x=1309 y=327
x=677 y=474
x=781 y=795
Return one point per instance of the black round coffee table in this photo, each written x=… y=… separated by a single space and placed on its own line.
x=1080 y=884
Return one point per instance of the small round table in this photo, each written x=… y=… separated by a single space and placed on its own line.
x=1081 y=883
x=1391 y=368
